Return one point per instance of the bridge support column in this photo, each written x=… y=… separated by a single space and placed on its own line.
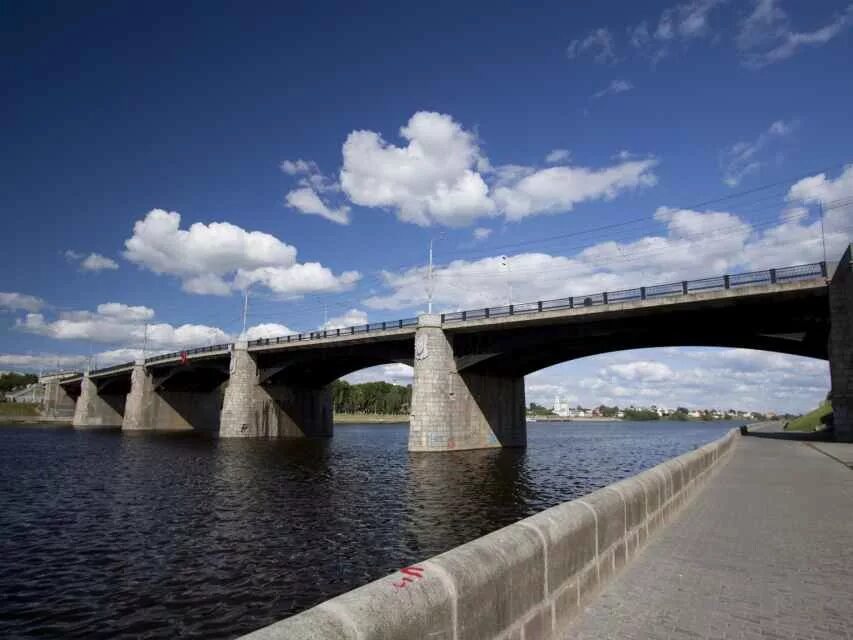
x=137 y=409
x=94 y=411
x=57 y=402
x=253 y=409
x=841 y=347
x=454 y=410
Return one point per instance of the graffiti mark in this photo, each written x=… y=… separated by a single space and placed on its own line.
x=410 y=574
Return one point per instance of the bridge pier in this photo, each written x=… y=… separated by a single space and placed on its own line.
x=95 y=409
x=57 y=402
x=137 y=409
x=841 y=347
x=256 y=408
x=453 y=410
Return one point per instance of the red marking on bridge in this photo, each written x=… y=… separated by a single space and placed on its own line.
x=411 y=574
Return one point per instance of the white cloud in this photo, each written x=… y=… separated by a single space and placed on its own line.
x=267 y=330
x=766 y=35
x=700 y=378
x=640 y=371
x=557 y=189
x=557 y=155
x=351 y=318
x=395 y=373
x=12 y=301
x=694 y=244
x=687 y=20
x=598 y=43
x=441 y=177
x=92 y=262
x=307 y=201
x=215 y=258
x=744 y=158
x=615 y=87
x=481 y=233
x=47 y=361
x=97 y=262
x=432 y=179
x=119 y=323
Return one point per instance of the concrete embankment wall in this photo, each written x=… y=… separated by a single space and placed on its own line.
x=521 y=582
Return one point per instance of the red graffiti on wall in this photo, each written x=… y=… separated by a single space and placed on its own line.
x=410 y=574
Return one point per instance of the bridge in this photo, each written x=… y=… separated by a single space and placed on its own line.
x=469 y=366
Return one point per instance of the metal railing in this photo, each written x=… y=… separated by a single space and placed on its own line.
x=685 y=287
x=373 y=327
x=188 y=352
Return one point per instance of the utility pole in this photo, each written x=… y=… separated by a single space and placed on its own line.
x=822 y=233
x=245 y=312
x=429 y=279
x=505 y=264
x=145 y=343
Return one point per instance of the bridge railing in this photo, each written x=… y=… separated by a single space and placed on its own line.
x=373 y=327
x=683 y=288
x=189 y=352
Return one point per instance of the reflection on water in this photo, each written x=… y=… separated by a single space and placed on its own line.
x=155 y=536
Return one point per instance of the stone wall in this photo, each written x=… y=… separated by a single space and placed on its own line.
x=841 y=347
x=56 y=401
x=527 y=580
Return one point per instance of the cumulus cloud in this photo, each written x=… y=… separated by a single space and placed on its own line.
x=766 y=35
x=395 y=373
x=615 y=87
x=267 y=330
x=440 y=176
x=114 y=322
x=12 y=301
x=693 y=378
x=351 y=318
x=432 y=179
x=744 y=158
x=558 y=189
x=693 y=244
x=598 y=43
x=216 y=258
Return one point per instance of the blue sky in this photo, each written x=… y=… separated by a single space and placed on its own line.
x=318 y=149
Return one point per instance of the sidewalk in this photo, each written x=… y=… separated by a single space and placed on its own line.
x=765 y=550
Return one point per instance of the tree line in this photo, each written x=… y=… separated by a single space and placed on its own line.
x=10 y=381
x=371 y=397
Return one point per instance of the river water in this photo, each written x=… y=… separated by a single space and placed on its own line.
x=161 y=536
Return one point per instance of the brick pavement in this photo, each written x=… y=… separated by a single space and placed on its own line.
x=764 y=551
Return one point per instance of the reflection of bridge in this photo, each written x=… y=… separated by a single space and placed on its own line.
x=469 y=366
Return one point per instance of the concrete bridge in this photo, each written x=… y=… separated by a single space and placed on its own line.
x=469 y=366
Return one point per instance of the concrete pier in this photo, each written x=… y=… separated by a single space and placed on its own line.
x=258 y=407
x=96 y=407
x=454 y=410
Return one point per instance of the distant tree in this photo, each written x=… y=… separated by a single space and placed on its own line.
x=371 y=397
x=641 y=414
x=12 y=381
x=538 y=410
x=608 y=412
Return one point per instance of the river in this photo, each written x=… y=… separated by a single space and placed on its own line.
x=161 y=536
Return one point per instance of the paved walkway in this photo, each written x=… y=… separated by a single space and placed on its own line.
x=765 y=550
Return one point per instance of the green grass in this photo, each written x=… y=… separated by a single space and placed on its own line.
x=18 y=409
x=810 y=421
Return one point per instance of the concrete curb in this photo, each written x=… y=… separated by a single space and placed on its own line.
x=525 y=581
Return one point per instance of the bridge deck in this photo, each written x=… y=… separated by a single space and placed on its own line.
x=765 y=551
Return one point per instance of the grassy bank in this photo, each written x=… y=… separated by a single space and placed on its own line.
x=810 y=421
x=378 y=418
x=18 y=409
